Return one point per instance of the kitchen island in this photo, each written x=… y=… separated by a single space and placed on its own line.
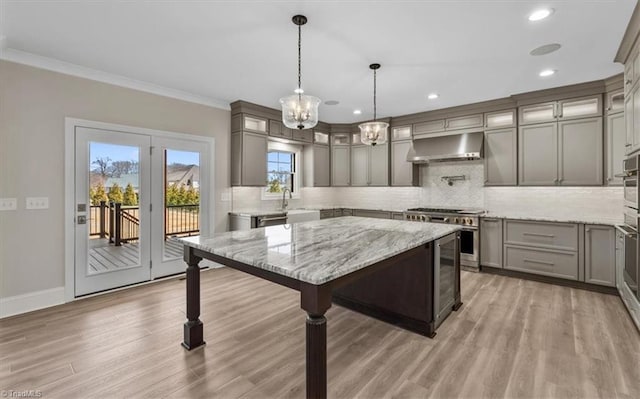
x=383 y=268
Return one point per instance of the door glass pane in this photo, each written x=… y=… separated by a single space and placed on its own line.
x=181 y=198
x=113 y=216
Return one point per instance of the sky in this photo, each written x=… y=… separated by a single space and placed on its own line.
x=130 y=153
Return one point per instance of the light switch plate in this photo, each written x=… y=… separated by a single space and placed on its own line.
x=37 y=203
x=8 y=204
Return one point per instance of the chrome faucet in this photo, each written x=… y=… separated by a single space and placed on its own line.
x=285 y=203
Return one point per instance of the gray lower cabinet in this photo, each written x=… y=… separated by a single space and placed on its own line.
x=491 y=242
x=580 y=152
x=248 y=159
x=366 y=213
x=370 y=165
x=615 y=146
x=340 y=166
x=500 y=157
x=397 y=215
x=317 y=165
x=545 y=248
x=326 y=213
x=600 y=255
x=538 y=154
x=403 y=173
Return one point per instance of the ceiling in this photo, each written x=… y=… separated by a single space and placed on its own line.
x=466 y=51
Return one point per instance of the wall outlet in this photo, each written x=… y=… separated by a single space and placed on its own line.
x=8 y=204
x=37 y=203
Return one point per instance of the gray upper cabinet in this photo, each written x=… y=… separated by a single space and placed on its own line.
x=277 y=129
x=575 y=108
x=615 y=146
x=248 y=159
x=537 y=113
x=538 y=154
x=429 y=127
x=449 y=124
x=465 y=122
x=320 y=138
x=629 y=122
x=249 y=123
x=600 y=255
x=403 y=173
x=629 y=81
x=500 y=157
x=491 y=242
x=370 y=165
x=340 y=165
x=304 y=135
x=317 y=165
x=401 y=133
x=635 y=132
x=500 y=119
x=580 y=152
x=360 y=165
x=615 y=102
x=379 y=165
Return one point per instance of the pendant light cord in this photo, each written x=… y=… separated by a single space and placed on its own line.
x=374 y=95
x=299 y=60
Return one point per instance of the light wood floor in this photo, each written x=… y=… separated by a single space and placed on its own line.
x=512 y=338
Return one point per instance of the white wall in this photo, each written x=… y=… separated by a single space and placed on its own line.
x=33 y=107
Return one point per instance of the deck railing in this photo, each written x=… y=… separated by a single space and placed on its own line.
x=121 y=224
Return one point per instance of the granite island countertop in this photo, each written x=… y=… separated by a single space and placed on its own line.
x=320 y=251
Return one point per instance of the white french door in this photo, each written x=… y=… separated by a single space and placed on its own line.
x=135 y=195
x=112 y=239
x=181 y=168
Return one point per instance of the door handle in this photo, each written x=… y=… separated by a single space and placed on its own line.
x=538 y=235
x=538 y=261
x=81 y=219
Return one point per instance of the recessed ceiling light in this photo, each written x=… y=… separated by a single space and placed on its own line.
x=357 y=112
x=540 y=14
x=433 y=96
x=547 y=72
x=298 y=90
x=331 y=102
x=545 y=49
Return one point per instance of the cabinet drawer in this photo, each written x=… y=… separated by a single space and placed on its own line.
x=562 y=236
x=541 y=261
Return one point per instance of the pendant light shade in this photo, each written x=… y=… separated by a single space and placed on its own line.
x=299 y=111
x=374 y=132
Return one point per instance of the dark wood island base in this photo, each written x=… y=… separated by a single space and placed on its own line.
x=398 y=289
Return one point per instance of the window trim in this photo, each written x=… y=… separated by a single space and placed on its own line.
x=297 y=186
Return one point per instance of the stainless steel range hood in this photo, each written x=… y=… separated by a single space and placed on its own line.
x=455 y=147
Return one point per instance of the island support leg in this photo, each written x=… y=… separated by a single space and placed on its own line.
x=193 y=328
x=316 y=300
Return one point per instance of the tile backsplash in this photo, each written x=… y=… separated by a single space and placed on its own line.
x=470 y=193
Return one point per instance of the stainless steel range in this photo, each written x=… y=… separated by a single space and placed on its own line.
x=469 y=219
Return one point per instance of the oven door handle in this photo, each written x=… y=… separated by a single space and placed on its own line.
x=626 y=232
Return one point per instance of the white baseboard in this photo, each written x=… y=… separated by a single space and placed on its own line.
x=18 y=304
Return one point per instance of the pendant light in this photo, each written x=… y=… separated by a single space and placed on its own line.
x=299 y=111
x=373 y=132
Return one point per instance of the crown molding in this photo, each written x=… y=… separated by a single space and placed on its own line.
x=52 y=64
x=630 y=37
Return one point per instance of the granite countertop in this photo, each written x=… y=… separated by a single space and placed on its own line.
x=320 y=251
x=564 y=217
x=251 y=212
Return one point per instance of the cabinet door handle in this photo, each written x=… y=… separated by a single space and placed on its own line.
x=539 y=261
x=628 y=82
x=538 y=235
x=491 y=220
x=587 y=230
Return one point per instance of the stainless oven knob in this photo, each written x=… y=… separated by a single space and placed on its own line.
x=423 y=218
x=468 y=221
x=445 y=220
x=455 y=221
x=427 y=218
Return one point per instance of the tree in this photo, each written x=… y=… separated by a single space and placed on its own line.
x=192 y=196
x=129 y=197
x=97 y=193
x=274 y=186
x=102 y=166
x=119 y=168
x=172 y=195
x=182 y=195
x=115 y=193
